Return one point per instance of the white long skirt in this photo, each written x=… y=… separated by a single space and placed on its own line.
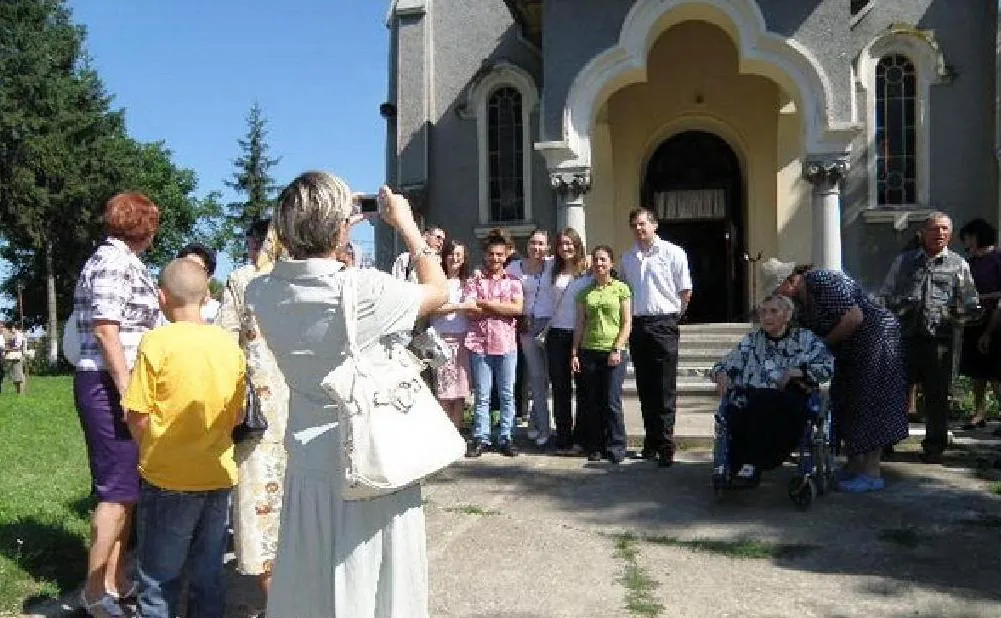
x=346 y=559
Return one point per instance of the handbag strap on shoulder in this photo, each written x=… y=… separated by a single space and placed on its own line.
x=349 y=305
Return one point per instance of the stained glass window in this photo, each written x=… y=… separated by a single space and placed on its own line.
x=505 y=155
x=896 y=142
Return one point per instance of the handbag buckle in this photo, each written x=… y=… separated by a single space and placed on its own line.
x=402 y=397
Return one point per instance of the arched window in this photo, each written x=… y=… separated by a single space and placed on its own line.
x=505 y=155
x=896 y=131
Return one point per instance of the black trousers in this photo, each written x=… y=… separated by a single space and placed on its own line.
x=654 y=346
x=929 y=363
x=767 y=428
x=602 y=426
x=559 y=344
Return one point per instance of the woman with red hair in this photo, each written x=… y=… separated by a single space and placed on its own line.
x=115 y=303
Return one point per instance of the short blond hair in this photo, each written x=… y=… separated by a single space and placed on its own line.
x=312 y=211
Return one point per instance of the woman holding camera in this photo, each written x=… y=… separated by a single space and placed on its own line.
x=339 y=558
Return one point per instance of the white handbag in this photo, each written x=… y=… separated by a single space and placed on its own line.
x=394 y=430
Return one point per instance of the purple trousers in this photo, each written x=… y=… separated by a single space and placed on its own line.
x=113 y=454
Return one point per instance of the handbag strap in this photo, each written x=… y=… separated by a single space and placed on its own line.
x=349 y=305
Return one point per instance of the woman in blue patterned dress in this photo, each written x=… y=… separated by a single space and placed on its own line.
x=869 y=389
x=769 y=368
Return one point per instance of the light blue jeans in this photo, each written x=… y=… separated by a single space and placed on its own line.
x=487 y=368
x=537 y=372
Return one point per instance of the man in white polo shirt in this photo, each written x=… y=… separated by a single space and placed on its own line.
x=657 y=271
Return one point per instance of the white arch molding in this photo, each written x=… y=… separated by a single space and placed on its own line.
x=784 y=61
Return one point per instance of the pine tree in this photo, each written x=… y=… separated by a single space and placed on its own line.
x=252 y=179
x=63 y=153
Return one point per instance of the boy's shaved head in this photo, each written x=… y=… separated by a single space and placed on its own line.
x=184 y=281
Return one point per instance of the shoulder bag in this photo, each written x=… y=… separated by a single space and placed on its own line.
x=395 y=432
x=254 y=422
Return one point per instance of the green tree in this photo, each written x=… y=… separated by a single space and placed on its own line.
x=253 y=180
x=63 y=153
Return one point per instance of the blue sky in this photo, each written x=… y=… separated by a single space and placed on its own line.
x=187 y=72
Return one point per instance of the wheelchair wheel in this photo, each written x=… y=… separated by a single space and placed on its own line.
x=802 y=491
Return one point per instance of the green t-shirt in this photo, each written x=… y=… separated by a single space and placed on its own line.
x=602 y=314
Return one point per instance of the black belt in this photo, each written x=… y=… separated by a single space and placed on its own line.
x=654 y=318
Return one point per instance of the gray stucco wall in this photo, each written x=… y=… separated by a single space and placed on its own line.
x=467 y=38
x=962 y=164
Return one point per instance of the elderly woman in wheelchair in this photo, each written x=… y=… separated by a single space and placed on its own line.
x=765 y=384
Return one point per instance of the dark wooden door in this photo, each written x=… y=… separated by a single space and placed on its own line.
x=694 y=184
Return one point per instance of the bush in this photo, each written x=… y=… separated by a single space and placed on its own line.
x=39 y=365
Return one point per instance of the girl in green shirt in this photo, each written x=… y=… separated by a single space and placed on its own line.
x=604 y=319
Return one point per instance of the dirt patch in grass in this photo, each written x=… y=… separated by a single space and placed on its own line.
x=470 y=509
x=744 y=548
x=638 y=584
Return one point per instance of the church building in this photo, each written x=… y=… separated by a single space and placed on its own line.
x=819 y=131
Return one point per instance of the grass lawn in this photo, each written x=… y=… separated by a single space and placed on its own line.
x=44 y=493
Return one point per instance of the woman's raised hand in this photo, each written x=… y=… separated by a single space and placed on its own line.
x=395 y=210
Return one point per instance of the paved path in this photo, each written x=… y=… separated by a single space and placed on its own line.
x=548 y=537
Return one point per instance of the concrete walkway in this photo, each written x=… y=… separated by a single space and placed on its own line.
x=548 y=537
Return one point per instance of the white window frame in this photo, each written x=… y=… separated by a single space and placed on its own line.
x=500 y=76
x=921 y=49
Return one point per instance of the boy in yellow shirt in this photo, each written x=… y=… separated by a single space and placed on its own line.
x=186 y=394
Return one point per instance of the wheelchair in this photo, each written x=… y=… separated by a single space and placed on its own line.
x=814 y=454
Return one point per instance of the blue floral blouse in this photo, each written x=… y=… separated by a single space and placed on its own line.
x=760 y=361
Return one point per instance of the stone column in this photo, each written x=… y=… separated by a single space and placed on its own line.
x=825 y=174
x=570 y=186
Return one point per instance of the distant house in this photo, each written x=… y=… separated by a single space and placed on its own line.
x=813 y=130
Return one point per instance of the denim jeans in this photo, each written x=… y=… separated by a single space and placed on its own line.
x=488 y=368
x=537 y=372
x=181 y=532
x=602 y=424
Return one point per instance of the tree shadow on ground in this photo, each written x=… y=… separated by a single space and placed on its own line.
x=48 y=552
x=934 y=527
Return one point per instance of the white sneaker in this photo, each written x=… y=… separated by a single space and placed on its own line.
x=541 y=439
x=533 y=434
x=746 y=472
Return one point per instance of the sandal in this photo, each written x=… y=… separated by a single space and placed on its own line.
x=130 y=592
x=105 y=607
x=861 y=484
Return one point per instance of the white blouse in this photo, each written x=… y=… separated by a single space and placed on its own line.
x=537 y=288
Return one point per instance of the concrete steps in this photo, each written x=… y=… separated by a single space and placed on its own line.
x=700 y=347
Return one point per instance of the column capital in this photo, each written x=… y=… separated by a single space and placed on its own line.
x=571 y=183
x=827 y=170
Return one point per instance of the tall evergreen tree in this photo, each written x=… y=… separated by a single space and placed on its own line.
x=252 y=179
x=63 y=153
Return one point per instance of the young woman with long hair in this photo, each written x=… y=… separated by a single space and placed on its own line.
x=604 y=320
x=566 y=280
x=535 y=273
x=452 y=379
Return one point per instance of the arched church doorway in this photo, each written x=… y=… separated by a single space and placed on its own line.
x=694 y=183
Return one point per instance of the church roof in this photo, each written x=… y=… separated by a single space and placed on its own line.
x=528 y=15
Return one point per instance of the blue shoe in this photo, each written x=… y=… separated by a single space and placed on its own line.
x=861 y=484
